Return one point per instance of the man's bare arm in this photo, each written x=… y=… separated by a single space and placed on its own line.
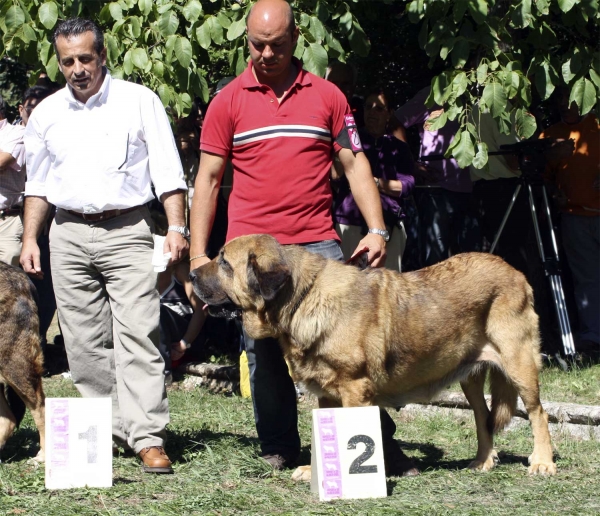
x=36 y=213
x=6 y=160
x=358 y=171
x=204 y=204
x=175 y=243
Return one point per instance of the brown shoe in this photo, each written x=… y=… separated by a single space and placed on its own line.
x=155 y=460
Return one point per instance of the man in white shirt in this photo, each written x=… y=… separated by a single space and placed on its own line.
x=12 y=184
x=93 y=150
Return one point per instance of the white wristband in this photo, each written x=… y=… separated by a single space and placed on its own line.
x=185 y=343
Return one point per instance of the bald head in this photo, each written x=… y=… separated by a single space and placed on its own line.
x=271 y=12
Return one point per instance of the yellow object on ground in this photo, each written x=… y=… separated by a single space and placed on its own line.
x=244 y=376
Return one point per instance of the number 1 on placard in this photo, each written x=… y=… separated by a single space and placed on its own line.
x=357 y=468
x=91 y=436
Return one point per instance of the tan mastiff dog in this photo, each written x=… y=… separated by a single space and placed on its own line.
x=21 y=360
x=376 y=337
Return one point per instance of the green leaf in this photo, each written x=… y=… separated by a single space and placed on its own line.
x=15 y=18
x=136 y=27
x=481 y=158
x=446 y=47
x=346 y=22
x=169 y=47
x=145 y=6
x=317 y=29
x=460 y=53
x=224 y=20
x=460 y=83
x=567 y=5
x=441 y=88
x=458 y=10
x=128 y=63
x=192 y=10
x=183 y=51
x=236 y=29
x=28 y=34
x=321 y=11
x=482 y=73
x=525 y=124
x=162 y=9
x=158 y=68
x=478 y=10
x=463 y=151
x=112 y=48
x=168 y=23
x=139 y=58
x=595 y=77
x=584 y=94
x=521 y=16
x=494 y=98
x=435 y=124
x=164 y=94
x=203 y=35
x=511 y=84
x=545 y=79
x=115 y=11
x=299 y=50
x=571 y=66
x=542 y=6
x=52 y=68
x=315 y=59
x=333 y=44
x=358 y=40
x=44 y=48
x=48 y=14
x=216 y=31
x=504 y=123
x=240 y=62
x=454 y=110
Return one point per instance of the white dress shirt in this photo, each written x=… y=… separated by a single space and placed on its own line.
x=12 y=179
x=103 y=154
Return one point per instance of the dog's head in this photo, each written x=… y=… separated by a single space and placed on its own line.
x=248 y=273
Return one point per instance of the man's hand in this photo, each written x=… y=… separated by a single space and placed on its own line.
x=176 y=245
x=376 y=245
x=30 y=259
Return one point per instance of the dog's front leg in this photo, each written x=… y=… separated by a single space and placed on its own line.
x=8 y=421
x=303 y=473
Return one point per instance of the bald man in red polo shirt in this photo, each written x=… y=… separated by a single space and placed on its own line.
x=281 y=127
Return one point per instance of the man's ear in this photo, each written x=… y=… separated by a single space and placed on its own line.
x=267 y=281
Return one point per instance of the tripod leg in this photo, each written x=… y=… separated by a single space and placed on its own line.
x=503 y=223
x=552 y=270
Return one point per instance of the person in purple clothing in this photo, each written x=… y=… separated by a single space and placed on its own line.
x=392 y=166
x=443 y=198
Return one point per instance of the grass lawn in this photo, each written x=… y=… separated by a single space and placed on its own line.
x=213 y=444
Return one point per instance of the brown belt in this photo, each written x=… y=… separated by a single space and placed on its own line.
x=8 y=212
x=104 y=215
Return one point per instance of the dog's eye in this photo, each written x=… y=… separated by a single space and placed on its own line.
x=222 y=262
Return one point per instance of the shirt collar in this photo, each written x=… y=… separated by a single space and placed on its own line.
x=249 y=81
x=99 y=96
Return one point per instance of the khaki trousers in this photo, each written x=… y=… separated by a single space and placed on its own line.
x=11 y=239
x=108 y=305
x=351 y=236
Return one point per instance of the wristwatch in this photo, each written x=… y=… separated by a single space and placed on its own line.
x=185 y=232
x=384 y=233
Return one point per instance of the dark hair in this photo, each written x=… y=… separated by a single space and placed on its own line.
x=2 y=107
x=37 y=93
x=387 y=95
x=291 y=21
x=75 y=27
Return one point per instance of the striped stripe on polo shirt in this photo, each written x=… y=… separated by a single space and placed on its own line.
x=281 y=131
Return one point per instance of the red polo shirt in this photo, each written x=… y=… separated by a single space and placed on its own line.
x=281 y=155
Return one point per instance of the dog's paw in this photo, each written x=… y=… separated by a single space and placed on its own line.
x=302 y=474
x=546 y=469
x=487 y=464
x=40 y=457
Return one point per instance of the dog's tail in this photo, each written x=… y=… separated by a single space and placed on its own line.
x=504 y=401
x=15 y=403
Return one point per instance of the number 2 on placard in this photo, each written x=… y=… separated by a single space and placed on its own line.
x=91 y=436
x=356 y=468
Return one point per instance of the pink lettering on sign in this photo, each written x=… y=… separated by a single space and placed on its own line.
x=59 y=421
x=330 y=458
x=353 y=133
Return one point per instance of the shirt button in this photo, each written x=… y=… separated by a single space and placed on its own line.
x=272 y=101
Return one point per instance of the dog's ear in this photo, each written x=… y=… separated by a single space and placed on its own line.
x=267 y=281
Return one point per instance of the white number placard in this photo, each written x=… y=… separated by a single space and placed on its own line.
x=347 y=454
x=78 y=442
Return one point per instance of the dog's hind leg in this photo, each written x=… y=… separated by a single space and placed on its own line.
x=8 y=422
x=472 y=386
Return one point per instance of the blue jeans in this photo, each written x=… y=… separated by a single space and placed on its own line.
x=273 y=391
